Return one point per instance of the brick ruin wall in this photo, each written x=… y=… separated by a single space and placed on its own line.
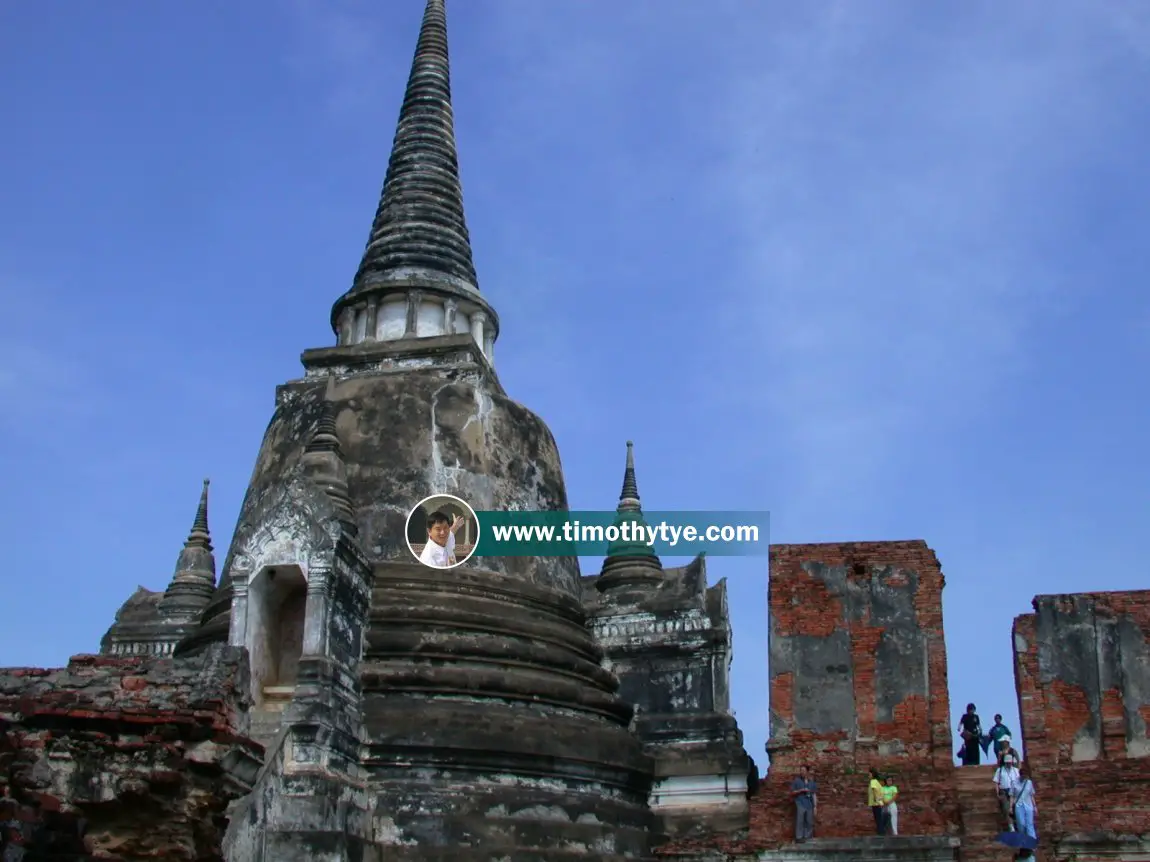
x=141 y=757
x=123 y=758
x=858 y=678
x=1082 y=670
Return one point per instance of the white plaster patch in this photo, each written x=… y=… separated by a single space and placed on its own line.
x=429 y=319
x=544 y=812
x=693 y=791
x=391 y=320
x=626 y=628
x=1085 y=748
x=462 y=323
x=384 y=831
x=442 y=476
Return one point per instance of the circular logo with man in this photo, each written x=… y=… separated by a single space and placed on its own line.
x=442 y=531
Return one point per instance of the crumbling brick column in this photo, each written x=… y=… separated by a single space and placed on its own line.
x=123 y=758
x=1081 y=671
x=858 y=679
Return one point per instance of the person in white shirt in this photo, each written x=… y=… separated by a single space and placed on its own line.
x=439 y=552
x=1006 y=779
x=1024 y=804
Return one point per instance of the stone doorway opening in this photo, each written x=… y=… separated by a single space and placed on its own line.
x=280 y=594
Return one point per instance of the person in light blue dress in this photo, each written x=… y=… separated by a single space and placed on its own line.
x=1024 y=806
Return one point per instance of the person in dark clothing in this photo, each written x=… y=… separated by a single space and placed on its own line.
x=970 y=729
x=752 y=779
x=805 y=793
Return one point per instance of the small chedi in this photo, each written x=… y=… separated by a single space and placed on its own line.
x=328 y=698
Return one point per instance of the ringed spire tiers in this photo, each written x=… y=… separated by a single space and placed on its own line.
x=194 y=581
x=630 y=561
x=417 y=277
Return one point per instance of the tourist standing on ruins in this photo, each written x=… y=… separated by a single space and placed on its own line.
x=1024 y=806
x=875 y=798
x=1000 y=738
x=1006 y=781
x=805 y=793
x=890 y=797
x=970 y=728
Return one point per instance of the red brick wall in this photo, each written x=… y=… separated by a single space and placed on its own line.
x=1081 y=670
x=914 y=743
x=122 y=758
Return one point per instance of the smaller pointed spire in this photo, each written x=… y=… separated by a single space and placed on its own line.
x=194 y=581
x=629 y=496
x=199 y=535
x=323 y=459
x=632 y=561
x=326 y=438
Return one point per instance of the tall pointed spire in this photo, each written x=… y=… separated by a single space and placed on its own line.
x=630 y=561
x=629 y=497
x=419 y=238
x=194 y=582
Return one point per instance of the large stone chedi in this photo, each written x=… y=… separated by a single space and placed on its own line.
x=409 y=712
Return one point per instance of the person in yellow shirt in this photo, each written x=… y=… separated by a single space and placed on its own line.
x=890 y=795
x=876 y=799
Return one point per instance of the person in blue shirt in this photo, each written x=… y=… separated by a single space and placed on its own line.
x=806 y=795
x=1000 y=738
x=1024 y=806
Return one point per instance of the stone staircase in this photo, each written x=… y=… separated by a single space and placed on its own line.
x=978 y=808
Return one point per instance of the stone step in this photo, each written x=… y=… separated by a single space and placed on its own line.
x=978 y=824
x=996 y=853
x=965 y=787
x=495 y=833
x=490 y=853
x=974 y=774
x=979 y=808
x=978 y=797
x=977 y=819
x=981 y=827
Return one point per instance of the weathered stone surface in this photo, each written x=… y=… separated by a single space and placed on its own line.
x=407 y=435
x=1082 y=670
x=484 y=724
x=123 y=758
x=669 y=643
x=491 y=725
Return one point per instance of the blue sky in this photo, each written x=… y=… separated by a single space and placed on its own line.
x=878 y=268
